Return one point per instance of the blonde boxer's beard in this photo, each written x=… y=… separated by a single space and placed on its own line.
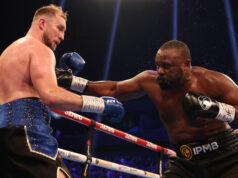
x=47 y=41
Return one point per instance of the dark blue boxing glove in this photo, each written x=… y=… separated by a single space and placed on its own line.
x=197 y=105
x=72 y=61
x=106 y=106
x=113 y=109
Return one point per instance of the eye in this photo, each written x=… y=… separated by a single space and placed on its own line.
x=60 y=28
x=166 y=66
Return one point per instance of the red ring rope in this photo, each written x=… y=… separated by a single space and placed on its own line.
x=104 y=128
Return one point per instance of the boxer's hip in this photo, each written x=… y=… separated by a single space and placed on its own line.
x=217 y=145
x=19 y=161
x=35 y=117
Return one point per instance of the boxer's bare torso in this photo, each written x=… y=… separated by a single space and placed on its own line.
x=182 y=78
x=15 y=73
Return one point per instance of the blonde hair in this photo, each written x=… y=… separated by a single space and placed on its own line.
x=50 y=10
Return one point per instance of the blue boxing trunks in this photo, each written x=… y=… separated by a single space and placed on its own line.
x=27 y=147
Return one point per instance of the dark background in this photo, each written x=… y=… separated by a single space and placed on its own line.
x=143 y=25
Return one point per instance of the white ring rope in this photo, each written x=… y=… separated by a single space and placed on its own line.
x=104 y=128
x=106 y=164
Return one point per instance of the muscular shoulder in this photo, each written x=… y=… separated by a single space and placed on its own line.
x=147 y=74
x=145 y=78
x=40 y=52
x=209 y=76
x=27 y=46
x=37 y=47
x=141 y=78
x=212 y=81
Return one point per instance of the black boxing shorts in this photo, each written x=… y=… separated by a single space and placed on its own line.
x=18 y=161
x=212 y=147
x=216 y=157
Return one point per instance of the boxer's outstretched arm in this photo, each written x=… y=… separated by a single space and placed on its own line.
x=122 y=90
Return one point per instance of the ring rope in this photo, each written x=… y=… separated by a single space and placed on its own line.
x=106 y=164
x=104 y=128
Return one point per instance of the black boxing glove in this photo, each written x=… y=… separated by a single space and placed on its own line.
x=197 y=105
x=67 y=80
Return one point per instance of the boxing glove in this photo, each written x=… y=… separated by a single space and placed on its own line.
x=113 y=109
x=71 y=61
x=106 y=106
x=67 y=80
x=197 y=105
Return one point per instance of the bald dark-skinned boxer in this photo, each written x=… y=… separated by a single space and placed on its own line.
x=195 y=105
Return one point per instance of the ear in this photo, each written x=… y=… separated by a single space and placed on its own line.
x=41 y=23
x=186 y=64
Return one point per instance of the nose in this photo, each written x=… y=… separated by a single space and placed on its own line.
x=160 y=71
x=61 y=36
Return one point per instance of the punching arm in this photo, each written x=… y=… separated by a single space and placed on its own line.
x=67 y=80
